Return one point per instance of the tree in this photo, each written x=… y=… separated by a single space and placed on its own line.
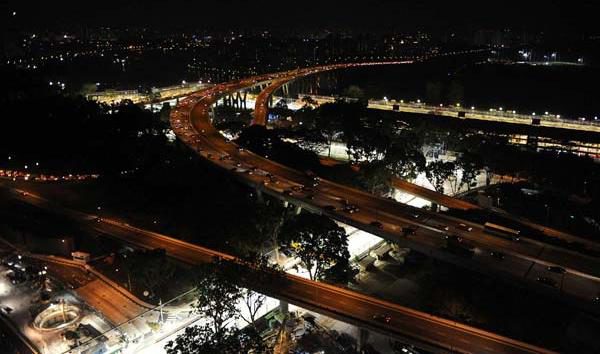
x=218 y=293
x=367 y=144
x=329 y=122
x=258 y=271
x=375 y=177
x=267 y=143
x=165 y=112
x=340 y=273
x=404 y=158
x=438 y=172
x=317 y=241
x=470 y=164
x=151 y=268
x=217 y=297
x=354 y=91
x=309 y=101
x=202 y=339
x=269 y=219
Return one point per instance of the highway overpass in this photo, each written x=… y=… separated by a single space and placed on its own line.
x=410 y=326
x=524 y=260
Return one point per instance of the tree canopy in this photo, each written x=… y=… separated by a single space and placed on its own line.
x=317 y=241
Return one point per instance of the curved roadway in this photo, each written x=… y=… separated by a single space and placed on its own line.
x=191 y=122
x=526 y=261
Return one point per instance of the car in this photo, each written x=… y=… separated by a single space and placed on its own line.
x=464 y=227
x=288 y=192
x=98 y=219
x=306 y=189
x=547 y=281
x=377 y=225
x=596 y=299
x=407 y=231
x=310 y=196
x=453 y=238
x=415 y=215
x=382 y=317
x=296 y=188
x=351 y=209
x=238 y=164
x=443 y=227
x=556 y=269
x=498 y=255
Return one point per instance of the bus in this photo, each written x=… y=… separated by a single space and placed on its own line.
x=502 y=231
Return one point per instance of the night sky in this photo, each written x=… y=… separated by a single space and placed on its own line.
x=398 y=14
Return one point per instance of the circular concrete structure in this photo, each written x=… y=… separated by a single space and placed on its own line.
x=56 y=316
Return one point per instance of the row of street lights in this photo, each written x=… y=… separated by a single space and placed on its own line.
x=500 y=109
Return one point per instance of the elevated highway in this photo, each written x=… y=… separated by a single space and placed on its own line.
x=426 y=331
x=415 y=228
x=541 y=254
x=558 y=255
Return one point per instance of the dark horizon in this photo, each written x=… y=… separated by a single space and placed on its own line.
x=551 y=16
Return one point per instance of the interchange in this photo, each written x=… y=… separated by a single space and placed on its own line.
x=192 y=124
x=432 y=225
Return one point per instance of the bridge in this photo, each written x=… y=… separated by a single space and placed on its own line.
x=499 y=115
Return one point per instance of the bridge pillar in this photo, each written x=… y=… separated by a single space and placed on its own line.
x=363 y=338
x=286 y=203
x=297 y=210
x=259 y=196
x=284 y=306
x=244 y=100
x=286 y=90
